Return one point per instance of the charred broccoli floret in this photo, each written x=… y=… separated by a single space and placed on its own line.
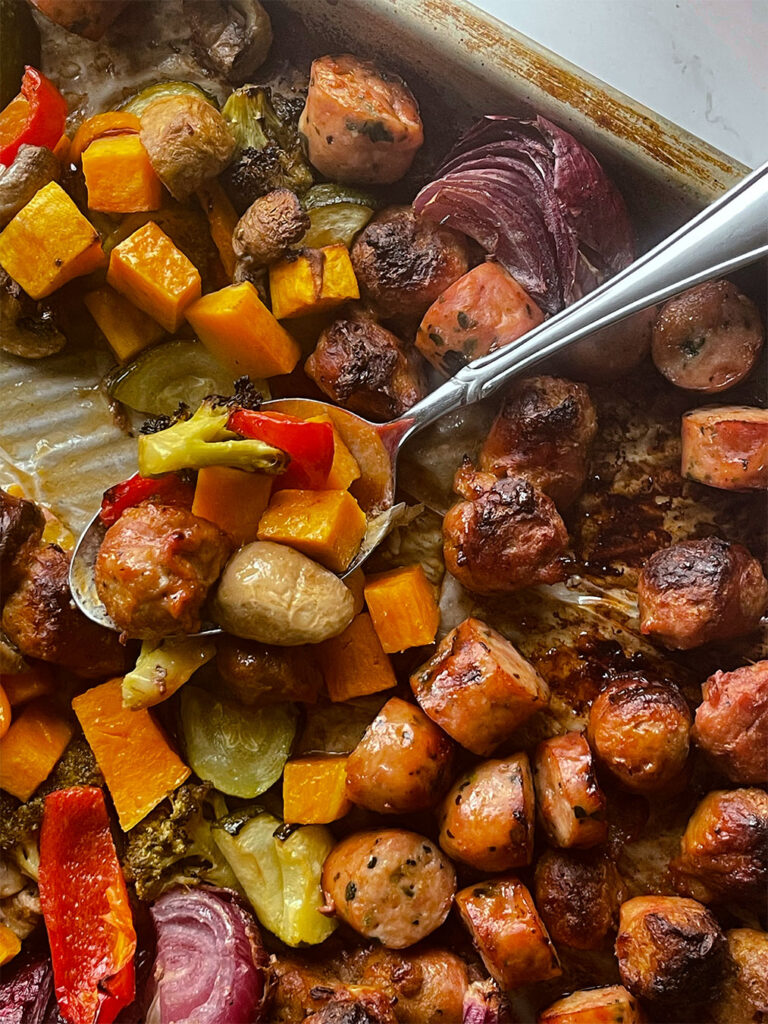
x=269 y=153
x=173 y=845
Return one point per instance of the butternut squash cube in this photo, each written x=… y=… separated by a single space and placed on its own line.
x=403 y=608
x=238 y=330
x=49 y=242
x=354 y=663
x=134 y=756
x=344 y=469
x=10 y=945
x=328 y=526
x=154 y=275
x=119 y=176
x=314 y=790
x=127 y=328
x=319 y=279
x=37 y=738
x=232 y=499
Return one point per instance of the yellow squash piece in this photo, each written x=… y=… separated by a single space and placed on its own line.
x=314 y=790
x=232 y=499
x=127 y=328
x=10 y=945
x=403 y=608
x=354 y=663
x=238 y=330
x=49 y=242
x=37 y=738
x=345 y=469
x=119 y=176
x=319 y=279
x=132 y=751
x=154 y=275
x=328 y=526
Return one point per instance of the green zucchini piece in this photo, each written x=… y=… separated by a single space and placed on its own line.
x=336 y=214
x=241 y=750
x=279 y=868
x=139 y=102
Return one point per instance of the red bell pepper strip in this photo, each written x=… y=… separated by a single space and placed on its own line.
x=85 y=907
x=310 y=445
x=168 y=490
x=35 y=118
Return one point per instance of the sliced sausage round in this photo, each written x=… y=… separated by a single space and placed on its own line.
x=726 y=447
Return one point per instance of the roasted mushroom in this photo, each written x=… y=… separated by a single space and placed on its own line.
x=21 y=527
x=32 y=168
x=27 y=328
x=234 y=36
x=269 y=227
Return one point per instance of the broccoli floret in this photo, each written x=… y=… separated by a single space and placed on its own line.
x=269 y=151
x=173 y=845
x=204 y=440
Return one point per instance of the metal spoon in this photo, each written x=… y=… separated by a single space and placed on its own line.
x=730 y=233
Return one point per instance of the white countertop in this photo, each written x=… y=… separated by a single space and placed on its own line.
x=701 y=63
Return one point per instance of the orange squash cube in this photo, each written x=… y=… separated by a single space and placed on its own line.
x=354 y=663
x=119 y=176
x=319 y=279
x=345 y=468
x=10 y=945
x=403 y=608
x=314 y=790
x=29 y=750
x=20 y=687
x=154 y=275
x=328 y=526
x=232 y=499
x=49 y=242
x=127 y=328
x=132 y=751
x=239 y=331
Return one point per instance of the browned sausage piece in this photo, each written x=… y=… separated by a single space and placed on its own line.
x=732 y=722
x=21 y=527
x=401 y=764
x=402 y=263
x=578 y=895
x=639 y=730
x=426 y=988
x=543 y=433
x=391 y=885
x=487 y=818
x=262 y=674
x=478 y=688
x=507 y=932
x=365 y=368
x=708 y=338
x=570 y=803
x=724 y=850
x=744 y=994
x=671 y=951
x=508 y=537
x=358 y=1007
x=610 y=1005
x=42 y=620
x=361 y=124
x=699 y=591
x=726 y=447
x=155 y=567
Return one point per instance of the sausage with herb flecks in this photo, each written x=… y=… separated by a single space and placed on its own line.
x=726 y=447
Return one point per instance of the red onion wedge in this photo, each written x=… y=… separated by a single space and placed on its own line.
x=484 y=1003
x=25 y=992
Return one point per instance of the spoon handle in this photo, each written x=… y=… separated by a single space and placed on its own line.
x=730 y=233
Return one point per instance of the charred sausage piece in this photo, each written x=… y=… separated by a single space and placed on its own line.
x=87 y=18
x=426 y=988
x=726 y=447
x=355 y=1008
x=578 y=895
x=299 y=988
x=671 y=951
x=570 y=802
x=21 y=527
x=699 y=591
x=612 y=1004
x=478 y=688
x=724 y=849
x=402 y=263
x=543 y=433
x=732 y=722
x=508 y=932
x=509 y=537
x=401 y=764
x=263 y=674
x=361 y=124
x=391 y=885
x=42 y=620
x=639 y=730
x=708 y=338
x=269 y=227
x=487 y=819
x=744 y=994
x=155 y=567
x=364 y=368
